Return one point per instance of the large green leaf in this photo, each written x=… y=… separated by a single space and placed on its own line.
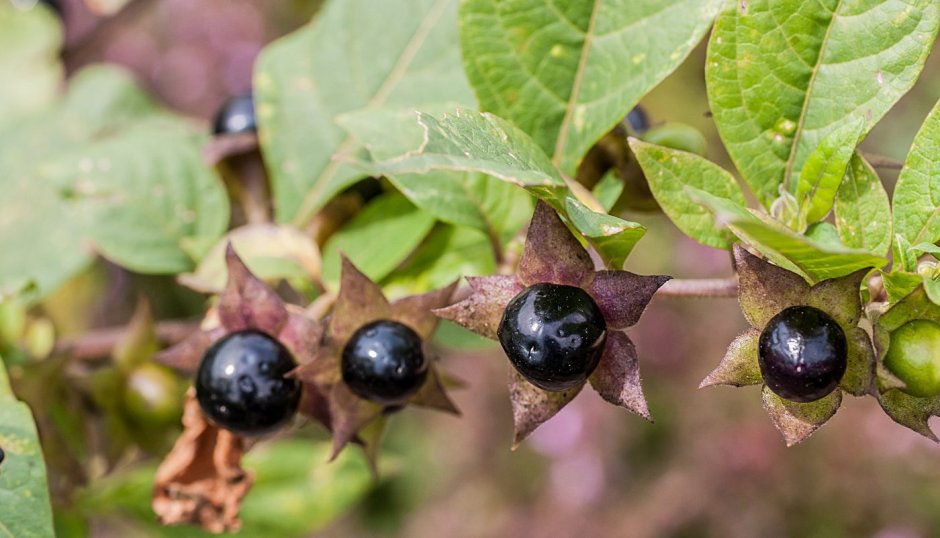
x=35 y=223
x=813 y=261
x=862 y=210
x=917 y=194
x=144 y=194
x=669 y=171
x=783 y=74
x=567 y=72
x=355 y=54
x=377 y=239
x=30 y=41
x=25 y=511
x=463 y=140
x=490 y=205
x=612 y=237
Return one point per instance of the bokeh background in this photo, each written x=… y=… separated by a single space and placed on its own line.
x=710 y=465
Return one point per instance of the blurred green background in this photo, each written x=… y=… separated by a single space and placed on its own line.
x=711 y=464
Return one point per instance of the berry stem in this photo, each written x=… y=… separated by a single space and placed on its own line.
x=98 y=343
x=700 y=288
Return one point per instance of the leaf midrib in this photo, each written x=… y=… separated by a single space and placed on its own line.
x=307 y=207
x=809 y=90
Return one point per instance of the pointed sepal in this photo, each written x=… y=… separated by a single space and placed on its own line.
x=739 y=367
x=622 y=296
x=432 y=395
x=348 y=415
x=247 y=302
x=360 y=301
x=532 y=406
x=911 y=411
x=416 y=311
x=840 y=297
x=551 y=253
x=797 y=421
x=483 y=310
x=860 y=372
x=617 y=377
x=766 y=289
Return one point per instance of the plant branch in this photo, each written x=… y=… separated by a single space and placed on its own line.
x=881 y=161
x=99 y=343
x=700 y=288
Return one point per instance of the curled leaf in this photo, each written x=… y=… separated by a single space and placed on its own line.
x=551 y=253
x=248 y=303
x=201 y=481
x=617 y=377
x=797 y=421
x=739 y=367
x=622 y=296
x=483 y=310
x=532 y=406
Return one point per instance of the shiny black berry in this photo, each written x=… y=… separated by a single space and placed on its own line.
x=237 y=115
x=554 y=335
x=241 y=384
x=638 y=119
x=802 y=354
x=3 y=455
x=383 y=362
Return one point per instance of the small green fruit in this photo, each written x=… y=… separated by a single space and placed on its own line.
x=914 y=357
x=153 y=396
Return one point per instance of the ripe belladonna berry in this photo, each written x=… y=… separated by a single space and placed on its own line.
x=2 y=455
x=237 y=115
x=638 y=119
x=802 y=354
x=242 y=386
x=383 y=362
x=554 y=335
x=914 y=357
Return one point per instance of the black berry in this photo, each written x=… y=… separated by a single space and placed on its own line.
x=2 y=455
x=383 y=362
x=638 y=119
x=802 y=354
x=241 y=384
x=237 y=115
x=554 y=335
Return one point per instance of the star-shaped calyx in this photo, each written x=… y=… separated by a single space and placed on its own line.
x=201 y=480
x=765 y=291
x=908 y=406
x=366 y=327
x=553 y=256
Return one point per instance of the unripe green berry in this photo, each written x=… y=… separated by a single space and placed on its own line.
x=914 y=357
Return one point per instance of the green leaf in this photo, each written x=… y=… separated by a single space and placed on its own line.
x=932 y=289
x=784 y=74
x=25 y=511
x=612 y=237
x=926 y=248
x=782 y=246
x=355 y=54
x=30 y=41
x=496 y=208
x=669 y=171
x=450 y=252
x=608 y=189
x=905 y=259
x=823 y=172
x=677 y=136
x=899 y=285
x=917 y=194
x=377 y=239
x=567 y=73
x=862 y=209
x=46 y=232
x=144 y=193
x=463 y=140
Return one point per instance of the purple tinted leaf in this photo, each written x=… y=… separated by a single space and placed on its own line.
x=622 y=296
x=532 y=406
x=617 y=377
x=551 y=253
x=739 y=367
x=248 y=303
x=797 y=421
x=483 y=310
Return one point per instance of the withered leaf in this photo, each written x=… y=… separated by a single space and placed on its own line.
x=201 y=481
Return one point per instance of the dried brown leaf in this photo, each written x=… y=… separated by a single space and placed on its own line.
x=201 y=481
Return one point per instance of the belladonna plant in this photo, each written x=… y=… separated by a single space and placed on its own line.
x=544 y=315
x=796 y=331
